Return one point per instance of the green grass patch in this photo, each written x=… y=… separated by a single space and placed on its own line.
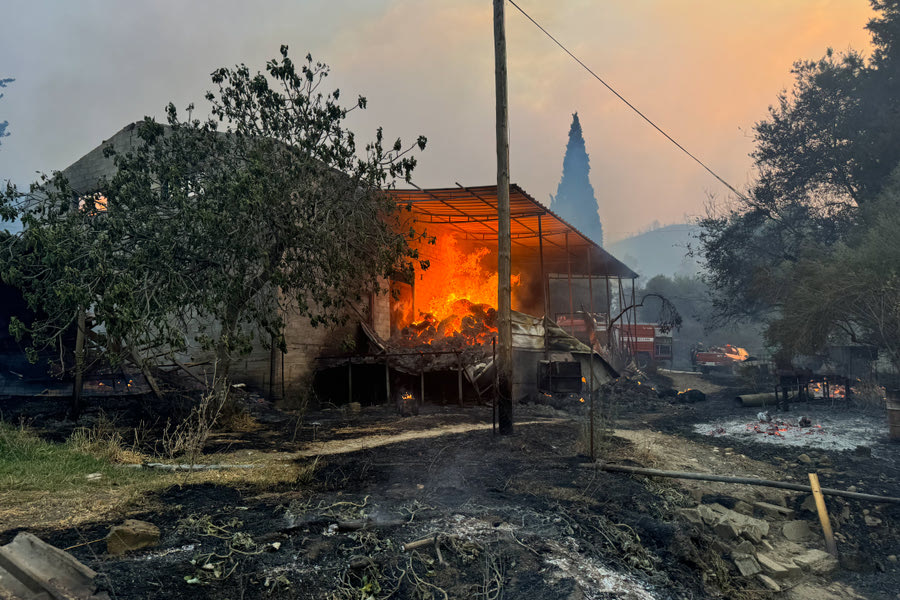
x=28 y=463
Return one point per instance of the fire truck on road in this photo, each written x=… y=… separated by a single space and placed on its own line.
x=717 y=358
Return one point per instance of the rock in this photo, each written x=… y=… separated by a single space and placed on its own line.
x=862 y=451
x=793 y=571
x=691 y=515
x=709 y=516
x=892 y=558
x=743 y=508
x=131 y=535
x=690 y=395
x=852 y=488
x=796 y=531
x=824 y=461
x=746 y=565
x=872 y=521
x=816 y=561
x=772 y=510
x=771 y=567
x=731 y=525
x=727 y=530
x=768 y=582
x=805 y=459
x=745 y=547
x=809 y=504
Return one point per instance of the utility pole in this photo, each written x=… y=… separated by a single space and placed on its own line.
x=504 y=355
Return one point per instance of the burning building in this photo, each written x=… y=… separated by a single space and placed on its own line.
x=442 y=321
x=443 y=318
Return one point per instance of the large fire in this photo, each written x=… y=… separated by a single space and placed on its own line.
x=455 y=297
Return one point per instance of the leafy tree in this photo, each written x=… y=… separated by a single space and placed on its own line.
x=824 y=154
x=4 y=124
x=222 y=232
x=574 y=200
x=852 y=293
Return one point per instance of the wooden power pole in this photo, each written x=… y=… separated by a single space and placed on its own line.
x=504 y=354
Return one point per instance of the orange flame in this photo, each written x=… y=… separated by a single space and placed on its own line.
x=457 y=293
x=453 y=276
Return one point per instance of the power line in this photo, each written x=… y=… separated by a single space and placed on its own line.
x=627 y=103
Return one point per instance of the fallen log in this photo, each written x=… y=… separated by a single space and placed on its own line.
x=740 y=480
x=431 y=539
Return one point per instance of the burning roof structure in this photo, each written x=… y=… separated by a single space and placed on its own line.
x=443 y=317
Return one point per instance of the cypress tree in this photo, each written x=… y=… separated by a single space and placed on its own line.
x=574 y=200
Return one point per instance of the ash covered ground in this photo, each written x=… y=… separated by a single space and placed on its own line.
x=436 y=506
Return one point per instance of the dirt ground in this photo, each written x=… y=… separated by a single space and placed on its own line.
x=437 y=506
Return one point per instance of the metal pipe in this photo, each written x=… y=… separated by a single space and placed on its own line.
x=742 y=480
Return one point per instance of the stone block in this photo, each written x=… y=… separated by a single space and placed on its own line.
x=768 y=583
x=773 y=510
x=745 y=547
x=131 y=535
x=726 y=530
x=743 y=508
x=816 y=561
x=796 y=531
x=746 y=565
x=691 y=515
x=771 y=567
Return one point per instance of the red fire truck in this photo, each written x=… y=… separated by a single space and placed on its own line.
x=717 y=358
x=645 y=342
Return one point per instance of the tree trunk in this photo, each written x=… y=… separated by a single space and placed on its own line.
x=78 y=386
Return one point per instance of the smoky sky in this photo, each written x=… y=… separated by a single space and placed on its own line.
x=705 y=70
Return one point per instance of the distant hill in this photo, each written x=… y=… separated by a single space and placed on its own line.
x=661 y=251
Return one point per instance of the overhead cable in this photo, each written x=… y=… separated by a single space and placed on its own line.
x=627 y=103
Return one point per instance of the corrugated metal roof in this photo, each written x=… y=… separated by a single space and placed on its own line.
x=471 y=212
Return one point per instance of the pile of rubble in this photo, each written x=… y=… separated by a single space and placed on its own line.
x=639 y=391
x=763 y=540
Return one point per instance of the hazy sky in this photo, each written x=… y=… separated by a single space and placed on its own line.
x=705 y=70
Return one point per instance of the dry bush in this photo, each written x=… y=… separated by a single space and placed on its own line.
x=103 y=441
x=237 y=419
x=187 y=439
